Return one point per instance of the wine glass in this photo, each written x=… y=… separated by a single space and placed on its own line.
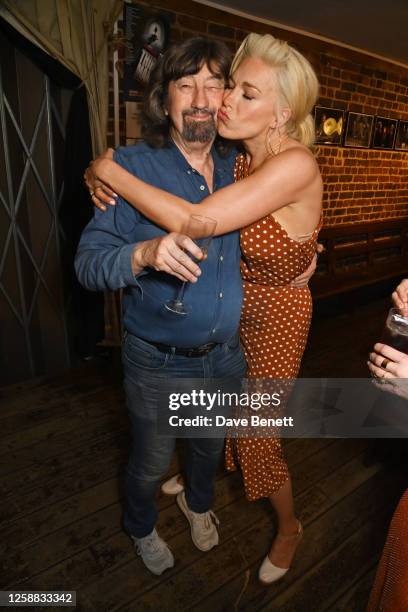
x=200 y=229
x=395 y=333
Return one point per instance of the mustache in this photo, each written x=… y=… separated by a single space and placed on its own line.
x=198 y=111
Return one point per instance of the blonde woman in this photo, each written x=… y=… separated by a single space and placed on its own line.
x=276 y=202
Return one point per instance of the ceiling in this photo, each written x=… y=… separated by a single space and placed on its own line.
x=377 y=26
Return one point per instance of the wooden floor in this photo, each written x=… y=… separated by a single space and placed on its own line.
x=63 y=453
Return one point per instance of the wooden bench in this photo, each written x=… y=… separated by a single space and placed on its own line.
x=360 y=254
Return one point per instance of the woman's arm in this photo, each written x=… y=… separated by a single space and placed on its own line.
x=278 y=182
x=101 y=194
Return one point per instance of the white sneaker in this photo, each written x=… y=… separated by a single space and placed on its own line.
x=172 y=486
x=203 y=530
x=155 y=553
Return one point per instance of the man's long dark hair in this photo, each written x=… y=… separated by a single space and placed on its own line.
x=184 y=59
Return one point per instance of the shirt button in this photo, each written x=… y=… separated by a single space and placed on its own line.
x=202 y=187
x=220 y=295
x=221 y=258
x=213 y=331
x=188 y=171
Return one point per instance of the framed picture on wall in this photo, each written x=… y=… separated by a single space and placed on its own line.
x=329 y=124
x=359 y=130
x=147 y=34
x=401 y=140
x=384 y=133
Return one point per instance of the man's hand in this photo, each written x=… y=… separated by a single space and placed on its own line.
x=167 y=254
x=400 y=297
x=302 y=280
x=99 y=191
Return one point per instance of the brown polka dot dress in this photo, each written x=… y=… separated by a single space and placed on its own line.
x=390 y=588
x=275 y=322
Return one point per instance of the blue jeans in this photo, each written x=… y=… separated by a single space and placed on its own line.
x=145 y=367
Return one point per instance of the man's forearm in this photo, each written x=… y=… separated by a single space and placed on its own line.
x=100 y=268
x=138 y=261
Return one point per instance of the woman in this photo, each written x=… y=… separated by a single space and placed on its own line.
x=386 y=363
x=390 y=589
x=276 y=202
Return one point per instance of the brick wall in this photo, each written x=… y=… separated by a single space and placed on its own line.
x=360 y=185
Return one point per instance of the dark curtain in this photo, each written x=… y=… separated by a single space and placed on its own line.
x=87 y=312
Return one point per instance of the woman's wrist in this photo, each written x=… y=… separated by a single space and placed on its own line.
x=102 y=169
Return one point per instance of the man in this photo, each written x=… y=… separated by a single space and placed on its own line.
x=122 y=249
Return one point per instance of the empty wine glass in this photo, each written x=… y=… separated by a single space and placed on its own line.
x=200 y=229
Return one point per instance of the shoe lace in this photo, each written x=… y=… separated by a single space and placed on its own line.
x=151 y=544
x=207 y=519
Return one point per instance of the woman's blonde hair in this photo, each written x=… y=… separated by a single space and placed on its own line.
x=298 y=86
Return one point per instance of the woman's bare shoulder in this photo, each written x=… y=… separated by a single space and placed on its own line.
x=296 y=161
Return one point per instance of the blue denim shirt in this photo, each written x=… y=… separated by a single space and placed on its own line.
x=103 y=259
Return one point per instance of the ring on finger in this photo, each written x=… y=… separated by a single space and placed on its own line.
x=384 y=363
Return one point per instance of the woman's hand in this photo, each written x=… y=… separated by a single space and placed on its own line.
x=101 y=193
x=400 y=297
x=387 y=362
x=303 y=279
x=390 y=367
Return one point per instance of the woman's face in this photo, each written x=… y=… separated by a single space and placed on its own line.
x=250 y=105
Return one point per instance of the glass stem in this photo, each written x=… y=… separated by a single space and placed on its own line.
x=180 y=295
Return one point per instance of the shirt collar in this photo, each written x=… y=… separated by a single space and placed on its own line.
x=221 y=165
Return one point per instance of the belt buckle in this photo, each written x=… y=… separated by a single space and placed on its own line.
x=198 y=351
x=205 y=348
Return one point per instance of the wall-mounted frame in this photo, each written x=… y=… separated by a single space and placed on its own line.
x=329 y=124
x=147 y=34
x=384 y=133
x=401 y=139
x=359 y=130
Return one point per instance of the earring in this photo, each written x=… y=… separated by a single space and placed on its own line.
x=268 y=145
x=166 y=112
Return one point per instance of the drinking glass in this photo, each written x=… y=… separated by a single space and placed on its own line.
x=395 y=332
x=201 y=230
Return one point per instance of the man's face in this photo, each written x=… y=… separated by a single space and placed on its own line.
x=193 y=103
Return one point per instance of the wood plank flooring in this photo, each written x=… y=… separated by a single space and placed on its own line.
x=62 y=457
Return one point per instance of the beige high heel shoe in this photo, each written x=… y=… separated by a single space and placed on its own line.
x=268 y=572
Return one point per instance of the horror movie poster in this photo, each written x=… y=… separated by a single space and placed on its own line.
x=147 y=36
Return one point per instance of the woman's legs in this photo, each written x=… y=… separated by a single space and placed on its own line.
x=284 y=548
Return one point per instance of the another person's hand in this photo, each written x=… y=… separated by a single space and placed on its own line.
x=400 y=297
x=302 y=280
x=387 y=362
x=167 y=254
x=100 y=193
x=390 y=367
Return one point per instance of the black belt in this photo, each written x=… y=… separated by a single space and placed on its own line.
x=198 y=351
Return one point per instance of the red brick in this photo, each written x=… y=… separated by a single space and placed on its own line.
x=358 y=184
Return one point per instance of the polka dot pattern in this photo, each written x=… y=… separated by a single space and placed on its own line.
x=275 y=323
